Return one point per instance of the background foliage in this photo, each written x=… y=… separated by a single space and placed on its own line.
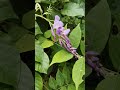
x=16 y=44
x=102 y=36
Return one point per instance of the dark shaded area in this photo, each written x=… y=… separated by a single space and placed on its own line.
x=29 y=59
x=22 y=6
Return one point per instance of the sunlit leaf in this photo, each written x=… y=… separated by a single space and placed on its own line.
x=38 y=82
x=46 y=43
x=73 y=9
x=39 y=53
x=43 y=66
x=75 y=36
x=78 y=71
x=61 y=56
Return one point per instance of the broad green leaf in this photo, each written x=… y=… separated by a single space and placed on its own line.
x=25 y=75
x=9 y=64
x=61 y=56
x=26 y=43
x=59 y=78
x=73 y=9
x=39 y=53
x=6 y=10
x=66 y=74
x=28 y=19
x=98 y=25
x=43 y=66
x=111 y=83
x=63 y=88
x=78 y=71
x=41 y=39
x=114 y=51
x=52 y=83
x=37 y=29
x=75 y=36
x=38 y=82
x=47 y=43
x=47 y=34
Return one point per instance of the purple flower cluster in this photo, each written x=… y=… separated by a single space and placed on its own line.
x=93 y=61
x=58 y=30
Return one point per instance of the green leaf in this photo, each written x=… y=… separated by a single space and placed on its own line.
x=59 y=78
x=47 y=34
x=28 y=19
x=47 y=43
x=61 y=56
x=114 y=51
x=38 y=82
x=73 y=9
x=75 y=36
x=82 y=86
x=78 y=71
x=66 y=74
x=43 y=66
x=52 y=83
x=13 y=71
x=98 y=25
x=71 y=87
x=63 y=88
x=82 y=47
x=6 y=10
x=26 y=43
x=37 y=29
x=25 y=75
x=39 y=53
x=111 y=83
x=9 y=64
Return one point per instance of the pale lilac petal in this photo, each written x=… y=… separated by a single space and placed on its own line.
x=65 y=32
x=57 y=17
x=57 y=24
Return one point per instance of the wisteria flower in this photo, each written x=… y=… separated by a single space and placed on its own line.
x=58 y=30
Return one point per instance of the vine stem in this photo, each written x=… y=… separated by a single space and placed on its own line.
x=44 y=19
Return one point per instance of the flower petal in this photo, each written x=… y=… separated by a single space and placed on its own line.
x=65 y=32
x=57 y=17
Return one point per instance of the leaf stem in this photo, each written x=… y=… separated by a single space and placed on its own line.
x=50 y=23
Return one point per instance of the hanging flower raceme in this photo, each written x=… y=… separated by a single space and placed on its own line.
x=59 y=31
